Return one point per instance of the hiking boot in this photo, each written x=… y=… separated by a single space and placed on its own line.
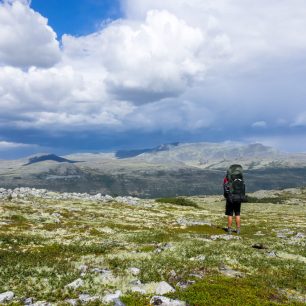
x=238 y=231
x=229 y=230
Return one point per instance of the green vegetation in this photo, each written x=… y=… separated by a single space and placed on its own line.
x=273 y=200
x=45 y=243
x=178 y=201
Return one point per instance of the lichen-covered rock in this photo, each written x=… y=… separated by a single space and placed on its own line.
x=75 y=284
x=111 y=297
x=224 y=237
x=164 y=301
x=6 y=296
x=163 y=288
x=134 y=271
x=227 y=271
x=86 y=298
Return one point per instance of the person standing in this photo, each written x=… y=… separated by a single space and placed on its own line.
x=234 y=193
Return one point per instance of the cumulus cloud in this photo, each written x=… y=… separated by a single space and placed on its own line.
x=25 y=37
x=167 y=65
x=150 y=60
x=255 y=28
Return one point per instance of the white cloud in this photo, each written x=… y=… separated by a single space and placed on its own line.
x=170 y=64
x=6 y=145
x=25 y=38
x=259 y=124
x=300 y=120
x=255 y=27
x=149 y=60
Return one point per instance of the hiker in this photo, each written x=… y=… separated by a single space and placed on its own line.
x=234 y=192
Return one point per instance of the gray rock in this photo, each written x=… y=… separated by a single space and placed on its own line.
x=86 y=298
x=182 y=221
x=28 y=301
x=41 y=303
x=6 y=296
x=271 y=254
x=134 y=271
x=138 y=289
x=299 y=236
x=83 y=268
x=108 y=298
x=200 y=276
x=72 y=302
x=227 y=271
x=185 y=284
x=224 y=237
x=163 y=288
x=75 y=284
x=135 y=282
x=118 y=302
x=162 y=300
x=198 y=258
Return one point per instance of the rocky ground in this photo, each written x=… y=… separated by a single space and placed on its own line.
x=73 y=249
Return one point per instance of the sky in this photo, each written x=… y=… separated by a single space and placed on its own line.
x=103 y=75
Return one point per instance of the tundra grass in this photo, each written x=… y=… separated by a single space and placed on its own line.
x=45 y=243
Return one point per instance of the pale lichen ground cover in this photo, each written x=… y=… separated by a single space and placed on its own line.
x=47 y=244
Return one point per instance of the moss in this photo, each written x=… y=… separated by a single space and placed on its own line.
x=225 y=291
x=135 y=299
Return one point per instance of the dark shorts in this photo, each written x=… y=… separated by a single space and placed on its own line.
x=232 y=207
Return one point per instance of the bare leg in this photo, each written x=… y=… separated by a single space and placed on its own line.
x=229 y=221
x=237 y=221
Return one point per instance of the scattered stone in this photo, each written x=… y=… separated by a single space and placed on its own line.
x=6 y=296
x=294 y=295
x=163 y=246
x=105 y=274
x=28 y=301
x=56 y=215
x=162 y=300
x=86 y=298
x=118 y=302
x=183 y=222
x=25 y=192
x=259 y=233
x=127 y=200
x=291 y=256
x=299 y=236
x=227 y=271
x=199 y=258
x=138 y=289
x=41 y=303
x=271 y=254
x=284 y=233
x=224 y=237
x=135 y=282
x=75 y=284
x=72 y=302
x=134 y=271
x=108 y=298
x=259 y=246
x=200 y=276
x=163 y=288
x=185 y=284
x=83 y=268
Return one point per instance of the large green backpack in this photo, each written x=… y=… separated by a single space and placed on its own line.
x=235 y=185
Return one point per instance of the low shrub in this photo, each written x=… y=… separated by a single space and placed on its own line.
x=178 y=201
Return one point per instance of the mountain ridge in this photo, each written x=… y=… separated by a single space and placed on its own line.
x=168 y=170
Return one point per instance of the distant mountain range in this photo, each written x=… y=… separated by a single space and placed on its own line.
x=167 y=170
